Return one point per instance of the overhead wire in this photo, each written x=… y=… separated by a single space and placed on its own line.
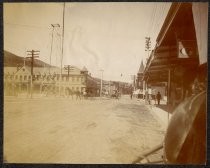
x=57 y=48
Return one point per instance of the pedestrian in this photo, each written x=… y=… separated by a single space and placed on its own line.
x=131 y=95
x=84 y=94
x=149 y=98
x=78 y=95
x=158 y=97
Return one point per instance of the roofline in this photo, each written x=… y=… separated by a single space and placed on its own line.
x=175 y=6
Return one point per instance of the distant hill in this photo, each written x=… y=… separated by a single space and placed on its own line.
x=12 y=60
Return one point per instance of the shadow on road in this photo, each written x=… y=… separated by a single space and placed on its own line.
x=165 y=108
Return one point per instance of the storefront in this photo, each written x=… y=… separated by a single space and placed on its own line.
x=177 y=58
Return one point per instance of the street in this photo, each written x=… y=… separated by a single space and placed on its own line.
x=62 y=130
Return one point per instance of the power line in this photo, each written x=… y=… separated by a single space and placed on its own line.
x=32 y=54
x=53 y=26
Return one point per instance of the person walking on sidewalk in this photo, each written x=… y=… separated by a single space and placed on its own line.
x=131 y=95
x=158 y=97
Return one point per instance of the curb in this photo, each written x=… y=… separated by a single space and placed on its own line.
x=162 y=116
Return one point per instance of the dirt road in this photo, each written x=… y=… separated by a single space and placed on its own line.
x=59 y=130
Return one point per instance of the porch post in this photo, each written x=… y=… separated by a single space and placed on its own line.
x=168 y=91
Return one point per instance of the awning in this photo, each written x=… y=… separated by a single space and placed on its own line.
x=176 y=44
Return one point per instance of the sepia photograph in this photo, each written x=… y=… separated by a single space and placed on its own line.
x=105 y=82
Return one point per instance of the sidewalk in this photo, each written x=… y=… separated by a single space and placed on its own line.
x=161 y=112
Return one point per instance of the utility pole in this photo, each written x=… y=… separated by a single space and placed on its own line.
x=33 y=54
x=62 y=48
x=53 y=26
x=148 y=44
x=101 y=82
x=147 y=49
x=68 y=68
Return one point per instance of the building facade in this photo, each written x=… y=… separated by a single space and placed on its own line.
x=47 y=81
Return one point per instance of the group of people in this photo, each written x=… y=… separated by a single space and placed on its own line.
x=116 y=94
x=149 y=97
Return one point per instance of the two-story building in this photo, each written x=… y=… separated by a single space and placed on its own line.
x=19 y=80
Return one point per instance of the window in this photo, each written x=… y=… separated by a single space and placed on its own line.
x=29 y=77
x=77 y=88
x=16 y=77
x=77 y=79
x=72 y=79
x=25 y=77
x=57 y=77
x=20 y=77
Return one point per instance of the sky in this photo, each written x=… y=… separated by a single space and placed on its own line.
x=108 y=36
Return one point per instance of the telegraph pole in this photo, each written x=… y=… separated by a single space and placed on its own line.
x=33 y=54
x=62 y=48
x=148 y=44
x=68 y=68
x=147 y=49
